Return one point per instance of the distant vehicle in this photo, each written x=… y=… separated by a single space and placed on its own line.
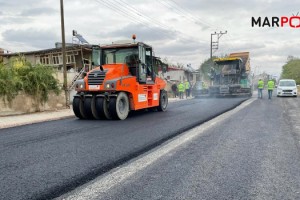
x=199 y=89
x=230 y=76
x=287 y=87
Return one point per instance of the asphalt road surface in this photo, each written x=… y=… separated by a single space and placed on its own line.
x=252 y=154
x=46 y=160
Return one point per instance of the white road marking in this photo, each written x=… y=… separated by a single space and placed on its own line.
x=100 y=185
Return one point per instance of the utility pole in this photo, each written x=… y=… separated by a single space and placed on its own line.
x=214 y=45
x=65 y=86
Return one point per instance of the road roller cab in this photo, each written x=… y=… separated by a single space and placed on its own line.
x=123 y=79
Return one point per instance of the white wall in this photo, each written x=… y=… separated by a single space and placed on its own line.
x=178 y=75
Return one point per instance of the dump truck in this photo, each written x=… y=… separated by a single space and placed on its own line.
x=231 y=76
x=123 y=79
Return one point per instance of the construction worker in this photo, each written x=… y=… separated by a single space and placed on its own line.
x=260 y=87
x=187 y=88
x=270 y=88
x=181 y=90
x=174 y=89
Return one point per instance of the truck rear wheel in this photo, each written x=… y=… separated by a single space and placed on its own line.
x=78 y=107
x=101 y=109
x=119 y=106
x=163 y=101
x=89 y=106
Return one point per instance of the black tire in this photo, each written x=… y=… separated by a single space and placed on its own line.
x=93 y=107
x=163 y=101
x=78 y=108
x=88 y=104
x=101 y=109
x=119 y=106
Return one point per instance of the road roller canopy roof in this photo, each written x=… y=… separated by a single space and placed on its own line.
x=124 y=44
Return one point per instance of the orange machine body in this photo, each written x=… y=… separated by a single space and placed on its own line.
x=123 y=78
x=141 y=96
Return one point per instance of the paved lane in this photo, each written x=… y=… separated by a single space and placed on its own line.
x=48 y=159
x=254 y=154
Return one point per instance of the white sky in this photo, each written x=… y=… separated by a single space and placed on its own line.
x=177 y=29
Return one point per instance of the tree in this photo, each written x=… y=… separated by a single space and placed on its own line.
x=291 y=70
x=10 y=83
x=205 y=68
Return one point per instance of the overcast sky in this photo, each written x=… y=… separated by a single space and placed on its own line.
x=177 y=29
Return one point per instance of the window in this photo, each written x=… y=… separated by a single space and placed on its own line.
x=70 y=59
x=287 y=83
x=96 y=56
x=112 y=56
x=44 y=60
x=56 y=59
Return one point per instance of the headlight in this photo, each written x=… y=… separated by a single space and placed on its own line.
x=110 y=85
x=79 y=85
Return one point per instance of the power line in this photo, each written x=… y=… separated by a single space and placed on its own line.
x=137 y=16
x=185 y=13
x=120 y=12
x=133 y=18
x=143 y=16
x=156 y=22
x=122 y=8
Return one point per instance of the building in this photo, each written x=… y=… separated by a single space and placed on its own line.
x=175 y=73
x=78 y=59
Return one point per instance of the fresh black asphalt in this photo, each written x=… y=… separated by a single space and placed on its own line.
x=253 y=154
x=45 y=160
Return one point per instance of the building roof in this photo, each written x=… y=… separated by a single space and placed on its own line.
x=69 y=47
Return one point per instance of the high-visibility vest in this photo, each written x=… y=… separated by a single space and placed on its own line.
x=260 y=84
x=181 y=87
x=271 y=85
x=187 y=85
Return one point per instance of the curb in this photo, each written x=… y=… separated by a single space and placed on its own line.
x=34 y=121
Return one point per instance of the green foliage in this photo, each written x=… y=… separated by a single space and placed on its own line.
x=291 y=70
x=36 y=81
x=206 y=66
x=10 y=83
